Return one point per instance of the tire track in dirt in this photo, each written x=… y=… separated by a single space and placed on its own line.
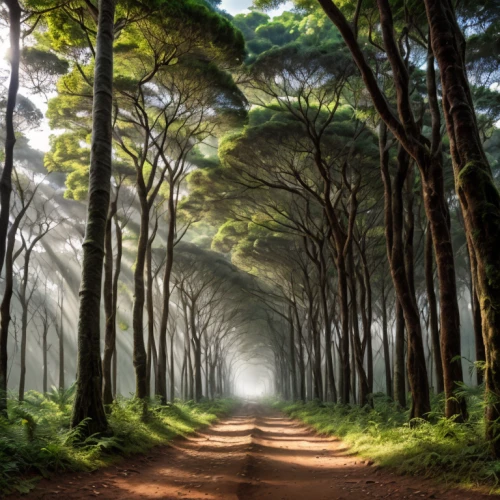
x=255 y=454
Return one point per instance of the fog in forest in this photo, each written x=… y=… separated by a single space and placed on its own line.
x=261 y=210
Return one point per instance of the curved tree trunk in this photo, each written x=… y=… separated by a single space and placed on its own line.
x=406 y=130
x=478 y=195
x=406 y=300
x=151 y=353
x=436 y=208
x=88 y=398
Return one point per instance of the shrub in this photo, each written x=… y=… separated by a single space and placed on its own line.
x=37 y=439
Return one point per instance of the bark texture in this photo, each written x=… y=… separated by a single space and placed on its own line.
x=433 y=313
x=6 y=179
x=162 y=343
x=10 y=136
x=88 y=399
x=476 y=190
x=407 y=131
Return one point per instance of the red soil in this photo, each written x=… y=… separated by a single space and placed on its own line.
x=256 y=454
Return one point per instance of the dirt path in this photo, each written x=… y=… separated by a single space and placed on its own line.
x=256 y=454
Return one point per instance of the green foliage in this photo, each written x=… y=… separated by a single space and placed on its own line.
x=440 y=448
x=229 y=235
x=37 y=439
x=123 y=325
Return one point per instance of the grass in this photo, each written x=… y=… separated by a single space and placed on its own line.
x=441 y=449
x=36 y=440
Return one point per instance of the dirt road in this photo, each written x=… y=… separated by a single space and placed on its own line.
x=256 y=454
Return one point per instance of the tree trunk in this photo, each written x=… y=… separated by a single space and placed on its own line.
x=24 y=335
x=207 y=388
x=151 y=354
x=302 y=372
x=139 y=349
x=172 y=369
x=44 y=354
x=183 y=393
x=62 y=383
x=385 y=343
x=24 y=299
x=195 y=337
x=162 y=348
x=5 y=318
x=293 y=366
x=109 y=335
x=352 y=381
x=393 y=194
x=318 y=377
x=302 y=369
x=478 y=334
x=468 y=157
x=366 y=315
x=433 y=314
x=344 y=338
x=476 y=190
x=357 y=347
x=6 y=185
x=331 y=392
x=118 y=264
x=10 y=136
x=115 y=372
x=399 y=358
x=436 y=208
x=88 y=398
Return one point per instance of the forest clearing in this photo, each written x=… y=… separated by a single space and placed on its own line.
x=256 y=240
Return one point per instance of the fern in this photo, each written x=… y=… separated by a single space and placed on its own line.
x=440 y=448
x=37 y=437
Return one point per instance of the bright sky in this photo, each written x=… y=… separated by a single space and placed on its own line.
x=237 y=6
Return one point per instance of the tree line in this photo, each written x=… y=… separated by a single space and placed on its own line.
x=342 y=155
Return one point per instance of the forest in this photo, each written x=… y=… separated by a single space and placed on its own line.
x=284 y=215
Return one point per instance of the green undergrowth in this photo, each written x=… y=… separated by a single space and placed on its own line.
x=36 y=440
x=443 y=449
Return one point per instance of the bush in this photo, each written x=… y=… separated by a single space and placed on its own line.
x=440 y=448
x=36 y=439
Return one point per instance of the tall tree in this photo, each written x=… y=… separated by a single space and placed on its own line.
x=406 y=130
x=476 y=190
x=10 y=136
x=26 y=194
x=88 y=399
